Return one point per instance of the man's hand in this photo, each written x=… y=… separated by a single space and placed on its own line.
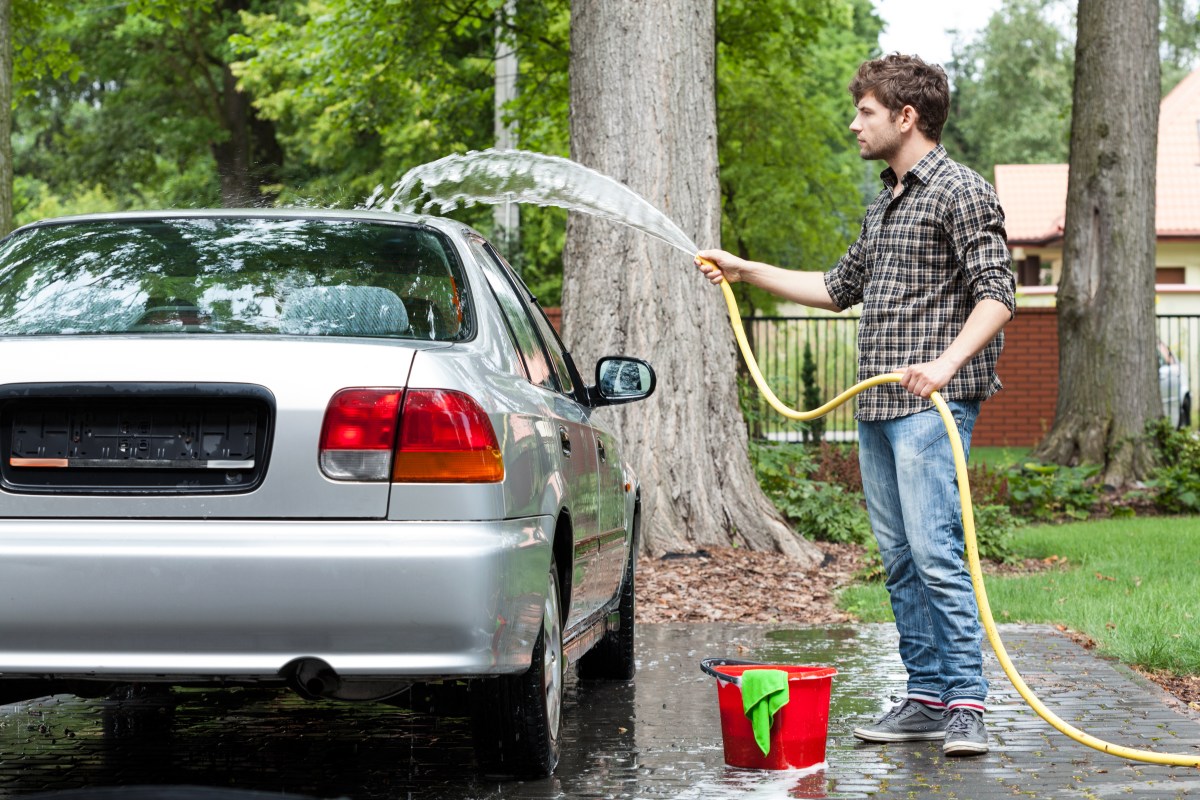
x=986 y=320
x=927 y=378
x=718 y=265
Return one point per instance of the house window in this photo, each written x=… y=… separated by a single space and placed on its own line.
x=1169 y=275
x=1029 y=271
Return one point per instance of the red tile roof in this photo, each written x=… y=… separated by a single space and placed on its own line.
x=1034 y=199
x=1034 y=196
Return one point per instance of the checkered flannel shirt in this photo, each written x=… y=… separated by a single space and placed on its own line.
x=920 y=265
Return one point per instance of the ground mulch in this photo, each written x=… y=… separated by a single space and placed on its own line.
x=721 y=584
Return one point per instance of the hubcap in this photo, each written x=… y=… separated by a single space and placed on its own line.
x=552 y=656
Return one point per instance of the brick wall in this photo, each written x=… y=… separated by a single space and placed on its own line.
x=1023 y=411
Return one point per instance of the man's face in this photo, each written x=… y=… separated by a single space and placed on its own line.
x=877 y=129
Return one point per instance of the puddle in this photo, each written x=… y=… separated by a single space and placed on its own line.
x=659 y=737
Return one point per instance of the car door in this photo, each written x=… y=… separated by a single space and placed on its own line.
x=575 y=439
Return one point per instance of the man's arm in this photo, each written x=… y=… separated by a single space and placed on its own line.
x=806 y=288
x=986 y=320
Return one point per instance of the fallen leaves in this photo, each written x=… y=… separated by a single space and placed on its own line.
x=736 y=585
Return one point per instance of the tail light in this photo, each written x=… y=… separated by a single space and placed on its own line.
x=359 y=433
x=446 y=437
x=440 y=436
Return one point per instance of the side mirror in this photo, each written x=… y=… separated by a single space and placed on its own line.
x=621 y=380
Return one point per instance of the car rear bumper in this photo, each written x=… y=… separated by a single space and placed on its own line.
x=244 y=600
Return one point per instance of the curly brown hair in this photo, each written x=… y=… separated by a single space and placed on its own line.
x=897 y=81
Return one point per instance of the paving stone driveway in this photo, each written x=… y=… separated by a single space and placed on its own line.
x=656 y=738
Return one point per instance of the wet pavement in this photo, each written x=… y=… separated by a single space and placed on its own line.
x=658 y=737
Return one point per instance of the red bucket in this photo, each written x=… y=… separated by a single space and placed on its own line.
x=800 y=727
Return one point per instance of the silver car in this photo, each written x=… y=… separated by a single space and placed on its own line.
x=1174 y=388
x=341 y=451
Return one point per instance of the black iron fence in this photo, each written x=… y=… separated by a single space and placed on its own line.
x=780 y=344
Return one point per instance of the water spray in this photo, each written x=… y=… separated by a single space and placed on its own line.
x=504 y=176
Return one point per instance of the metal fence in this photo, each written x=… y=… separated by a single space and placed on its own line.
x=779 y=344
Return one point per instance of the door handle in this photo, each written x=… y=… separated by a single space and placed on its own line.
x=564 y=440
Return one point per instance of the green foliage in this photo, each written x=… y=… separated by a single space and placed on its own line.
x=790 y=173
x=1051 y=492
x=1011 y=99
x=1179 y=40
x=995 y=526
x=148 y=108
x=37 y=51
x=1175 y=484
x=817 y=509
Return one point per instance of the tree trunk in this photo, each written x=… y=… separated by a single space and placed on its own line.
x=250 y=157
x=6 y=101
x=1108 y=386
x=643 y=110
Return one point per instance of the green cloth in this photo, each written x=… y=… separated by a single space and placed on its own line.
x=764 y=692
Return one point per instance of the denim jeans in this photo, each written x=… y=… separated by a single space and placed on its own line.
x=912 y=498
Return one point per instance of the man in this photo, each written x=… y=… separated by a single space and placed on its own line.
x=931 y=269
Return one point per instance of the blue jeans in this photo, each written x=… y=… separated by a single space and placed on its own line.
x=912 y=498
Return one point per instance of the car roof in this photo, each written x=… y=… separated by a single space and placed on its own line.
x=359 y=215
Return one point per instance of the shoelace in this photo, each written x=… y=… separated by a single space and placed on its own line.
x=960 y=722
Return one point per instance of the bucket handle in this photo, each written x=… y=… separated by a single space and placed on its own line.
x=709 y=666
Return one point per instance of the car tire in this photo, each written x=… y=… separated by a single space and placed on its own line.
x=612 y=659
x=518 y=718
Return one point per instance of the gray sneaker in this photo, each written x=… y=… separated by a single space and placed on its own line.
x=966 y=735
x=911 y=721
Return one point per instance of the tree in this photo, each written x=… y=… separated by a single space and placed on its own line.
x=1108 y=389
x=643 y=109
x=150 y=109
x=361 y=92
x=6 y=101
x=1012 y=90
x=1180 y=40
x=789 y=173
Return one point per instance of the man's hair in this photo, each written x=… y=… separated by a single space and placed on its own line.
x=897 y=81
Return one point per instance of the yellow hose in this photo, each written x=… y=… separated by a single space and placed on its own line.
x=972 y=547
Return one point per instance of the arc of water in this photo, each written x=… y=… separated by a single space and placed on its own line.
x=502 y=176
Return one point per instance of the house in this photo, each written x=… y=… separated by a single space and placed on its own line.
x=1034 y=198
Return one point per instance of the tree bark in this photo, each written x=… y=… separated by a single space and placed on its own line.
x=250 y=156
x=6 y=101
x=1108 y=386
x=643 y=110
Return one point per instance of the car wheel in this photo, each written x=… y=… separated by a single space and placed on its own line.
x=612 y=657
x=518 y=717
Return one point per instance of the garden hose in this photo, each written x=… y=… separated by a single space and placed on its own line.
x=972 y=548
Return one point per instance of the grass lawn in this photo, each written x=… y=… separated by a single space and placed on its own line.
x=1133 y=585
x=999 y=457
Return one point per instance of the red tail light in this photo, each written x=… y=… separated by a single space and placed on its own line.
x=446 y=437
x=359 y=433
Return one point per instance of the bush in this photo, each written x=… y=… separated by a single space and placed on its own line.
x=995 y=527
x=1051 y=492
x=1175 y=484
x=820 y=510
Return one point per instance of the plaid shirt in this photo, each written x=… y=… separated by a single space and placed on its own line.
x=920 y=265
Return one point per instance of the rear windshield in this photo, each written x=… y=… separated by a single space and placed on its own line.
x=297 y=277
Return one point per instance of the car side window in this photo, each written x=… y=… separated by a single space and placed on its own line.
x=550 y=337
x=528 y=341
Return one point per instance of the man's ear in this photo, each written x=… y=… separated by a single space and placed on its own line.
x=908 y=119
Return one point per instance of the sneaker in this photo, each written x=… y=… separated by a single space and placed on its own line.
x=911 y=721
x=966 y=735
